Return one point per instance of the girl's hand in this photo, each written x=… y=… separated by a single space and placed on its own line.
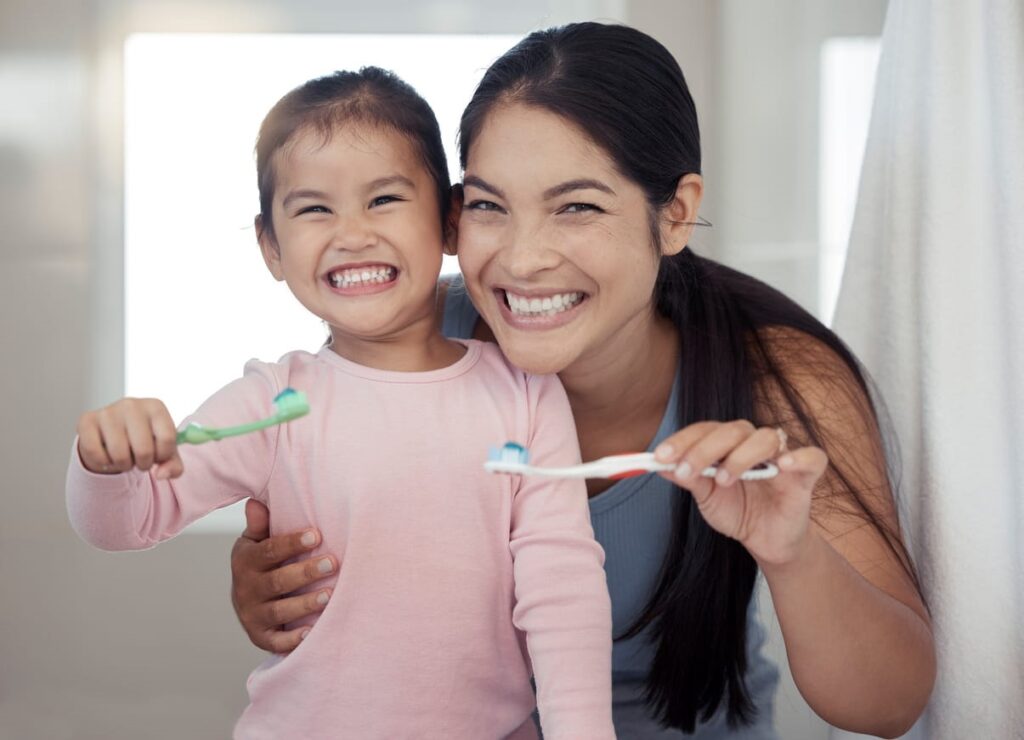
x=771 y=517
x=260 y=585
x=130 y=433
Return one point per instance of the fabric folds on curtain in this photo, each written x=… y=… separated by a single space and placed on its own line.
x=933 y=302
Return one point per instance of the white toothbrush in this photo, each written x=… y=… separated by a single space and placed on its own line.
x=514 y=459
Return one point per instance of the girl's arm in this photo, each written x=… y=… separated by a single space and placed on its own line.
x=137 y=508
x=562 y=601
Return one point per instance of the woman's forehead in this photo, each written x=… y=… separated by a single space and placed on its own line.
x=518 y=138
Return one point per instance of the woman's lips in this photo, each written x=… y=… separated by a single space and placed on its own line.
x=537 y=311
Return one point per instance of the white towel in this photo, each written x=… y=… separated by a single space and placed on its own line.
x=933 y=302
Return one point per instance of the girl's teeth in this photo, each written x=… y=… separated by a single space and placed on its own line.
x=523 y=306
x=348 y=278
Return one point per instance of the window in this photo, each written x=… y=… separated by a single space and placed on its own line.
x=199 y=301
x=848 y=67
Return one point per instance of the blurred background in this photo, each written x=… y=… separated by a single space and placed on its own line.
x=129 y=265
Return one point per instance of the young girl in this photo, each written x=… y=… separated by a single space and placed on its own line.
x=445 y=566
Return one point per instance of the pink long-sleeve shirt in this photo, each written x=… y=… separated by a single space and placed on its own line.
x=448 y=573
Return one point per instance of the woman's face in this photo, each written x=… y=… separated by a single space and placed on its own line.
x=555 y=244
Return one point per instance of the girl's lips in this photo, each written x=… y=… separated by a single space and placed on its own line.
x=539 y=322
x=361 y=278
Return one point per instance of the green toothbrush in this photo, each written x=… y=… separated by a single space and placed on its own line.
x=288 y=404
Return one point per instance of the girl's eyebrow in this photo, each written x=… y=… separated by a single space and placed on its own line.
x=383 y=182
x=299 y=194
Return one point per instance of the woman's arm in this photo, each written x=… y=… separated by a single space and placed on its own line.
x=857 y=634
x=260 y=584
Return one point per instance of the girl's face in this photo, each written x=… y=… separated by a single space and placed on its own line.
x=555 y=244
x=358 y=235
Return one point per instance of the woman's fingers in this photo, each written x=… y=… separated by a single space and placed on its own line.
x=259 y=583
x=292 y=577
x=279 y=641
x=807 y=462
x=284 y=611
x=713 y=446
x=763 y=444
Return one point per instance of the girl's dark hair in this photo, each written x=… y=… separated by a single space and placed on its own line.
x=371 y=96
x=738 y=338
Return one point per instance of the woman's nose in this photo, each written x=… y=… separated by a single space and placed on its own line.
x=528 y=252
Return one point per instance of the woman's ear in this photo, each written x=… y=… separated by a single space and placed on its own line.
x=451 y=226
x=268 y=246
x=679 y=216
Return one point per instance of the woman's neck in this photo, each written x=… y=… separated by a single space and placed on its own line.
x=618 y=395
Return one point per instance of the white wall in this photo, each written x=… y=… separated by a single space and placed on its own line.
x=127 y=646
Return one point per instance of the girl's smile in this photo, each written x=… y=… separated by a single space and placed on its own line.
x=357 y=237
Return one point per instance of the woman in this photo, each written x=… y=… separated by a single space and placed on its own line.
x=581 y=161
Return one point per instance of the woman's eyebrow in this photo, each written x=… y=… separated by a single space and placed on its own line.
x=477 y=182
x=571 y=185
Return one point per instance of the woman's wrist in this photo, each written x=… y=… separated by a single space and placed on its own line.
x=794 y=557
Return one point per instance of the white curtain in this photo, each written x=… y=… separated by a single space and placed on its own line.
x=933 y=302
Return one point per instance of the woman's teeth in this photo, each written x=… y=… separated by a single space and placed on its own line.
x=361 y=276
x=549 y=306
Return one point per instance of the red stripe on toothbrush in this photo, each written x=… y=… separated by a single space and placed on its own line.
x=628 y=474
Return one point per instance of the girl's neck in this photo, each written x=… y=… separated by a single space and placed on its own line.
x=618 y=395
x=418 y=347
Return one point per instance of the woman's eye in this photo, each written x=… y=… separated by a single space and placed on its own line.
x=383 y=200
x=484 y=205
x=581 y=208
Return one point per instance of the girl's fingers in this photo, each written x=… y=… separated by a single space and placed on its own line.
x=168 y=469
x=140 y=436
x=115 y=441
x=762 y=445
x=90 y=445
x=165 y=435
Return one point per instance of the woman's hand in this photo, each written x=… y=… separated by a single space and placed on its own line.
x=260 y=585
x=130 y=433
x=770 y=517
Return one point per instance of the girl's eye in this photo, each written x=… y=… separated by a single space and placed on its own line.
x=383 y=200
x=484 y=205
x=312 y=209
x=581 y=208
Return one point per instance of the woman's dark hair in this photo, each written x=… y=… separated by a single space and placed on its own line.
x=371 y=96
x=737 y=335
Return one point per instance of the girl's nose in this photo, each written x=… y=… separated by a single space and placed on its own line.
x=353 y=233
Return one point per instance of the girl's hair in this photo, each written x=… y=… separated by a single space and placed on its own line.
x=738 y=339
x=371 y=96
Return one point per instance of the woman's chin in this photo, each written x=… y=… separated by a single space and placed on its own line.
x=535 y=359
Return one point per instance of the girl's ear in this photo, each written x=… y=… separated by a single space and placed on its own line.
x=679 y=216
x=268 y=246
x=451 y=226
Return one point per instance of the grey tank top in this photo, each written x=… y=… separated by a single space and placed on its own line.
x=632 y=522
